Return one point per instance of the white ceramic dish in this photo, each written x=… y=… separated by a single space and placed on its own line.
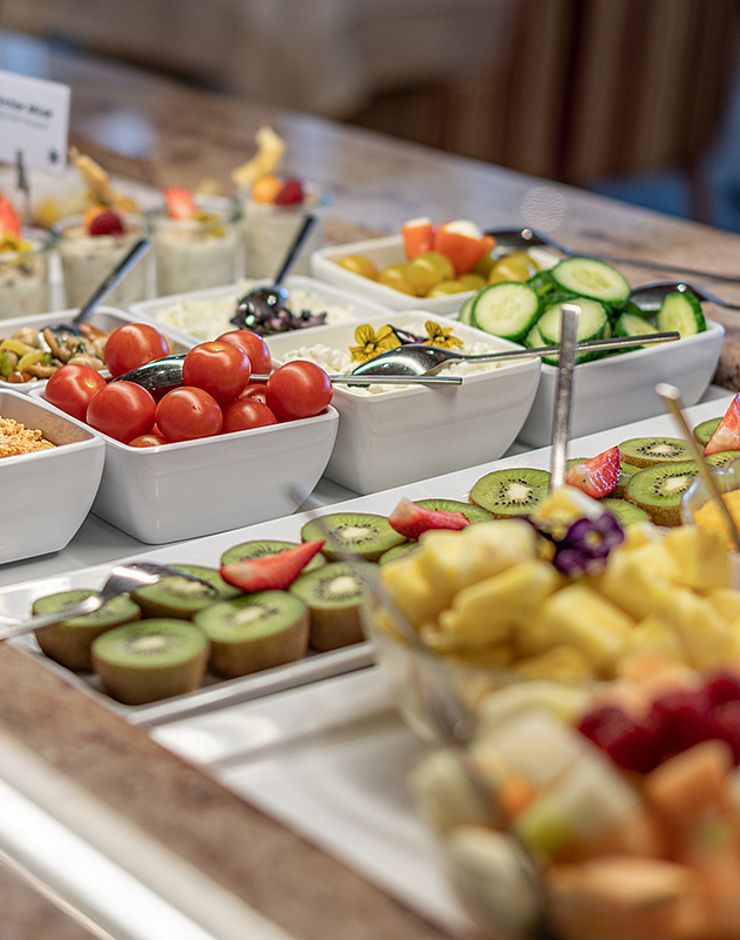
x=194 y=488
x=105 y=318
x=406 y=435
x=46 y=495
x=382 y=252
x=617 y=389
x=150 y=311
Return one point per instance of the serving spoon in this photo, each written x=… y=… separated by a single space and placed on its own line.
x=521 y=239
x=649 y=297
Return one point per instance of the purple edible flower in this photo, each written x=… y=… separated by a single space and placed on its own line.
x=586 y=545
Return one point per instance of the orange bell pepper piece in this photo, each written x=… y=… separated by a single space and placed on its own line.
x=418 y=236
x=462 y=243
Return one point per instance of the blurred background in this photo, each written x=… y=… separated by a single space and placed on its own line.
x=639 y=99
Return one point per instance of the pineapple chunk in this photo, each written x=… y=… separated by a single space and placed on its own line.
x=561 y=662
x=639 y=534
x=707 y=638
x=701 y=557
x=654 y=634
x=441 y=559
x=564 y=506
x=726 y=602
x=577 y=616
x=635 y=582
x=492 y=547
x=413 y=593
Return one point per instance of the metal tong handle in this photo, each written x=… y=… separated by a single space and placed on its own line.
x=295 y=249
x=87 y=606
x=563 y=411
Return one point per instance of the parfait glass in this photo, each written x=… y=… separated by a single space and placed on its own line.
x=24 y=275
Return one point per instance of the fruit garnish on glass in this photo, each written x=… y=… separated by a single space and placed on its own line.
x=100 y=190
x=266 y=161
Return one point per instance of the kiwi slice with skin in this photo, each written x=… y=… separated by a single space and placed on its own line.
x=626 y=472
x=723 y=457
x=68 y=642
x=626 y=513
x=150 y=660
x=178 y=597
x=333 y=595
x=515 y=492
x=659 y=490
x=703 y=432
x=260 y=548
x=472 y=513
x=353 y=533
x=255 y=631
x=649 y=451
x=398 y=552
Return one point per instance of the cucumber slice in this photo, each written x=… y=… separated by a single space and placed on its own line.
x=542 y=283
x=593 y=279
x=509 y=310
x=681 y=311
x=466 y=312
x=534 y=338
x=630 y=325
x=591 y=325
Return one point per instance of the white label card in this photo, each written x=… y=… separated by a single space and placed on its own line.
x=34 y=118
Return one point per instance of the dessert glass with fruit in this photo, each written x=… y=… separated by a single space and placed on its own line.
x=24 y=265
x=196 y=240
x=90 y=246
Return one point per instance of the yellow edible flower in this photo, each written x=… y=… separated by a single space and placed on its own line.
x=370 y=343
x=441 y=336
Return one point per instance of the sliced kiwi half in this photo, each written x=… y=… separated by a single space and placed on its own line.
x=723 y=457
x=515 y=492
x=626 y=513
x=258 y=549
x=174 y=596
x=659 y=490
x=69 y=641
x=472 y=513
x=398 y=552
x=649 y=451
x=626 y=472
x=255 y=631
x=150 y=660
x=703 y=432
x=333 y=595
x=353 y=533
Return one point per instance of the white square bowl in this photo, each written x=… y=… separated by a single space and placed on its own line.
x=152 y=311
x=105 y=318
x=620 y=389
x=46 y=494
x=194 y=488
x=400 y=436
x=382 y=252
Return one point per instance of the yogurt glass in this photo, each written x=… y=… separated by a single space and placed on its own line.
x=87 y=259
x=24 y=275
x=192 y=254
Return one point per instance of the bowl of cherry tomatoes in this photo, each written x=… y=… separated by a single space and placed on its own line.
x=218 y=452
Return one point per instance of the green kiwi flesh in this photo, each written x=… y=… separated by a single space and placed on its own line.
x=626 y=472
x=703 y=432
x=472 y=513
x=258 y=549
x=649 y=451
x=150 y=660
x=178 y=597
x=353 y=533
x=333 y=595
x=255 y=631
x=723 y=457
x=515 y=492
x=69 y=641
x=626 y=513
x=398 y=552
x=659 y=490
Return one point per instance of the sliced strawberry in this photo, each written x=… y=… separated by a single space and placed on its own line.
x=291 y=194
x=727 y=435
x=10 y=223
x=179 y=202
x=106 y=222
x=271 y=572
x=412 y=520
x=596 y=477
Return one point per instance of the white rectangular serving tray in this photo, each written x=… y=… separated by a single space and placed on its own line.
x=15 y=601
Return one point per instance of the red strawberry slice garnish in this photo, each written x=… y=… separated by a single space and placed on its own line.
x=179 y=202
x=106 y=223
x=291 y=194
x=596 y=477
x=10 y=223
x=412 y=520
x=727 y=435
x=271 y=572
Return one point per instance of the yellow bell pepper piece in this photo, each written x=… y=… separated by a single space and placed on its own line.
x=17 y=347
x=30 y=359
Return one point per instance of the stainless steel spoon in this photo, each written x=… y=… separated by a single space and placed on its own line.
x=521 y=239
x=649 y=297
x=262 y=303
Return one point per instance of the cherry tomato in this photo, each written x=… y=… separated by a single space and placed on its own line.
x=298 y=390
x=132 y=345
x=220 y=369
x=244 y=414
x=147 y=440
x=255 y=391
x=122 y=410
x=254 y=346
x=72 y=388
x=187 y=413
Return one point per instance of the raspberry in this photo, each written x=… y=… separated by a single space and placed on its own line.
x=723 y=723
x=291 y=194
x=722 y=687
x=107 y=223
x=632 y=745
x=682 y=718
